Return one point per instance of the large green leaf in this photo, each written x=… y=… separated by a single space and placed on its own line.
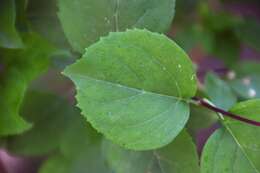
x=221 y=154
x=219 y=92
x=179 y=156
x=20 y=67
x=9 y=37
x=247 y=136
x=48 y=124
x=132 y=87
x=85 y=21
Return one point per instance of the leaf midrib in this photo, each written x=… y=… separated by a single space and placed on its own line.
x=123 y=86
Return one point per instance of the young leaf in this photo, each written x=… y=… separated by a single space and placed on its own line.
x=20 y=67
x=50 y=116
x=9 y=37
x=132 y=87
x=219 y=92
x=221 y=154
x=179 y=156
x=246 y=135
x=85 y=21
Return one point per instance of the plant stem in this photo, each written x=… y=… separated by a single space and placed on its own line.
x=207 y=105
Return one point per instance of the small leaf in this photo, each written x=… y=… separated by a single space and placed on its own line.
x=179 y=156
x=85 y=21
x=221 y=154
x=219 y=92
x=132 y=87
x=9 y=37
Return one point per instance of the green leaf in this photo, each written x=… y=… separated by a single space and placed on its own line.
x=85 y=21
x=56 y=164
x=50 y=116
x=132 y=87
x=80 y=151
x=179 y=156
x=247 y=136
x=9 y=37
x=78 y=136
x=221 y=154
x=44 y=20
x=248 y=32
x=219 y=92
x=247 y=87
x=20 y=67
x=200 y=118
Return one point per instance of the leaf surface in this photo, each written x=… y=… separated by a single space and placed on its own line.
x=85 y=21
x=179 y=156
x=221 y=154
x=131 y=93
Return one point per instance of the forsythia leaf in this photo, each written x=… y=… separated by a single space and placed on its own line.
x=132 y=87
x=85 y=21
x=179 y=156
x=221 y=154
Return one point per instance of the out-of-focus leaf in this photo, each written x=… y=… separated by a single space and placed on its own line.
x=200 y=118
x=131 y=93
x=80 y=151
x=193 y=36
x=20 y=67
x=249 y=32
x=247 y=87
x=221 y=154
x=179 y=156
x=85 y=21
x=219 y=92
x=50 y=116
x=44 y=20
x=9 y=37
x=246 y=68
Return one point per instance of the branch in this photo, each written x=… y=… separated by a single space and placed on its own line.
x=207 y=105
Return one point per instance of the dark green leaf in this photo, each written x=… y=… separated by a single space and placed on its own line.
x=85 y=21
x=179 y=156
x=50 y=116
x=9 y=37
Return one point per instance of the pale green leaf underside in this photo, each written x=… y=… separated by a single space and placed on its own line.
x=180 y=156
x=132 y=87
x=85 y=21
x=221 y=154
